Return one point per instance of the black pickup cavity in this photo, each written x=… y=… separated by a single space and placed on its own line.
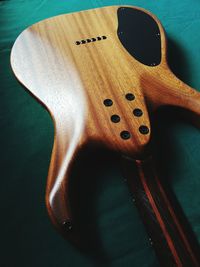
x=140 y=35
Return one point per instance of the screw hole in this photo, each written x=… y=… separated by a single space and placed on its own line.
x=115 y=118
x=137 y=112
x=144 y=129
x=125 y=135
x=130 y=96
x=67 y=225
x=108 y=102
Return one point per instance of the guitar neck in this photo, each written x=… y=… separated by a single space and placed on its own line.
x=174 y=244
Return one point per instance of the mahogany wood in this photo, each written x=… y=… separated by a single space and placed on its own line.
x=72 y=81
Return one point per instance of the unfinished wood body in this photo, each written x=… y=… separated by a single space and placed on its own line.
x=72 y=79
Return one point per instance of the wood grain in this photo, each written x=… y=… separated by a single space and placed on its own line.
x=72 y=81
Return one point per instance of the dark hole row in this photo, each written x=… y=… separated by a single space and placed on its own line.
x=137 y=112
x=108 y=102
x=143 y=129
x=90 y=40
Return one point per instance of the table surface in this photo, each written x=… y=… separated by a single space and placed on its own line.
x=117 y=235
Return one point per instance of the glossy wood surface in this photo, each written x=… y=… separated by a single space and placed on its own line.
x=73 y=81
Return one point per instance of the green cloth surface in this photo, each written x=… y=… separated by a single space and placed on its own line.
x=27 y=236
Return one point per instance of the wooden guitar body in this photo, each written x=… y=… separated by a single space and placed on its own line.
x=100 y=73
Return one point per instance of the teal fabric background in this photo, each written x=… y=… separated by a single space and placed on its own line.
x=27 y=236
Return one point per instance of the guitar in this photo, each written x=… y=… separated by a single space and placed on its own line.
x=102 y=74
